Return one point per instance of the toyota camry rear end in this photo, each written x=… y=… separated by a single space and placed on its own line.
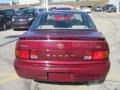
x=62 y=46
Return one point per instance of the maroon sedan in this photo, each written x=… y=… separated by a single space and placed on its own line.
x=62 y=46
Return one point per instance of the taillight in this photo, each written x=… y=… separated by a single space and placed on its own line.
x=26 y=54
x=99 y=55
x=33 y=55
x=88 y=55
x=96 y=55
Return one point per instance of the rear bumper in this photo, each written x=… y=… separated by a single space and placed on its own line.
x=63 y=73
x=21 y=25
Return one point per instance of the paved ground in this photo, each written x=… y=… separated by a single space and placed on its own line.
x=107 y=23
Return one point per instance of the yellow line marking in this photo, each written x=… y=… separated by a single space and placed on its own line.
x=9 y=79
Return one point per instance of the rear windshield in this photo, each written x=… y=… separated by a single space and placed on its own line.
x=63 y=8
x=25 y=12
x=9 y=12
x=63 y=20
x=110 y=5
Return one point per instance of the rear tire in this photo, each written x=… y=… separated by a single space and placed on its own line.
x=4 y=26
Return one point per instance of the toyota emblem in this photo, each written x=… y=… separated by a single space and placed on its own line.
x=60 y=45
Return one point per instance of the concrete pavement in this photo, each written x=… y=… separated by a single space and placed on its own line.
x=107 y=23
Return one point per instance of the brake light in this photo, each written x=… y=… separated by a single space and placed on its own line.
x=89 y=55
x=63 y=18
x=26 y=54
x=98 y=55
x=22 y=54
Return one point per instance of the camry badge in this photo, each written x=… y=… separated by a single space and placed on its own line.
x=60 y=45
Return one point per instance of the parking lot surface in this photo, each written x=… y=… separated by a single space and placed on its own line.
x=107 y=23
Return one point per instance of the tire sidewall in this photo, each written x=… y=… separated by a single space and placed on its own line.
x=4 y=27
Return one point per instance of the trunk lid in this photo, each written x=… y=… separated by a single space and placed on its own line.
x=62 y=45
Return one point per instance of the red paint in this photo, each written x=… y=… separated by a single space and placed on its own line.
x=66 y=64
x=62 y=55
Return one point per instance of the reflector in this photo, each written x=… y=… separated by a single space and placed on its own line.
x=33 y=55
x=88 y=55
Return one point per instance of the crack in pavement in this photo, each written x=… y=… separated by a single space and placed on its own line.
x=8 y=42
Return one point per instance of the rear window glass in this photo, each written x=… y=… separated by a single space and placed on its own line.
x=26 y=12
x=63 y=9
x=9 y=12
x=63 y=21
x=110 y=5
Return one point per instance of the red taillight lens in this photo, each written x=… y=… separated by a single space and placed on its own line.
x=98 y=55
x=22 y=54
x=26 y=54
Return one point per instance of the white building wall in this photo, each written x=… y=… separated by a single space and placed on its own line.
x=28 y=1
x=116 y=3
